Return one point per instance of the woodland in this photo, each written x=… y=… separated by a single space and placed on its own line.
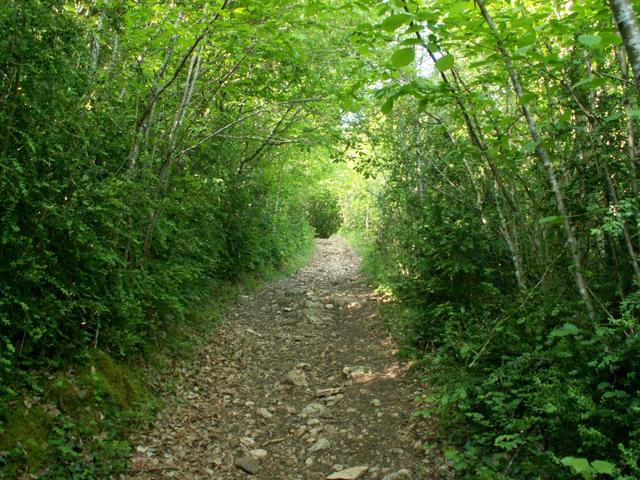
x=482 y=155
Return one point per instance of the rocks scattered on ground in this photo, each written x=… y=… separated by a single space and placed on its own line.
x=297 y=378
x=352 y=473
x=333 y=399
x=313 y=410
x=288 y=388
x=263 y=412
x=403 y=474
x=248 y=464
x=356 y=372
x=247 y=442
x=321 y=444
x=328 y=392
x=258 y=454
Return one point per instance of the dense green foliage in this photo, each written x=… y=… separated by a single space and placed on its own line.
x=149 y=153
x=153 y=152
x=110 y=233
x=528 y=375
x=324 y=215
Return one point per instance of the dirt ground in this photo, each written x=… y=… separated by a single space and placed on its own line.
x=299 y=383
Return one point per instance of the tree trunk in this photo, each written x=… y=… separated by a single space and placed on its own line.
x=95 y=45
x=627 y=23
x=632 y=142
x=510 y=236
x=545 y=159
x=12 y=96
x=475 y=134
x=190 y=82
x=143 y=125
x=613 y=190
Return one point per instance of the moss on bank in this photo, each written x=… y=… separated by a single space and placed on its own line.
x=73 y=423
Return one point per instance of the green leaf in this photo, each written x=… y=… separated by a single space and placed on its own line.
x=527 y=98
x=428 y=16
x=551 y=219
x=635 y=114
x=403 y=57
x=524 y=49
x=394 y=22
x=460 y=6
x=580 y=465
x=412 y=41
x=591 y=83
x=614 y=394
x=528 y=39
x=596 y=82
x=610 y=39
x=563 y=331
x=590 y=40
x=600 y=466
x=508 y=442
x=445 y=62
x=387 y=106
x=414 y=29
x=565 y=116
x=613 y=117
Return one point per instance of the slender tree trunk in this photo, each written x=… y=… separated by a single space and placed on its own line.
x=632 y=142
x=145 y=120
x=545 y=159
x=623 y=224
x=158 y=90
x=143 y=125
x=13 y=98
x=12 y=95
x=613 y=190
x=475 y=134
x=95 y=45
x=508 y=225
x=512 y=243
x=420 y=168
x=115 y=52
x=192 y=77
x=627 y=23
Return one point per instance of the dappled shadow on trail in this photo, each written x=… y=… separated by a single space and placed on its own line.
x=300 y=382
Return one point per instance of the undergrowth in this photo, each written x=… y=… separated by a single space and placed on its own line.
x=519 y=387
x=73 y=421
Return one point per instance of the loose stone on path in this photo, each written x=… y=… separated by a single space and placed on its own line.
x=248 y=464
x=296 y=378
x=298 y=383
x=352 y=473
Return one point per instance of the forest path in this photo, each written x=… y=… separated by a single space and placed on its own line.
x=299 y=383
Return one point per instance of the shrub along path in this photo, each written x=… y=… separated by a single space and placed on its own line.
x=299 y=383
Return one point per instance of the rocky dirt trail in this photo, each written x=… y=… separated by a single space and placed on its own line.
x=299 y=383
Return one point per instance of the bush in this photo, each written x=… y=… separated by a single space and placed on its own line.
x=324 y=215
